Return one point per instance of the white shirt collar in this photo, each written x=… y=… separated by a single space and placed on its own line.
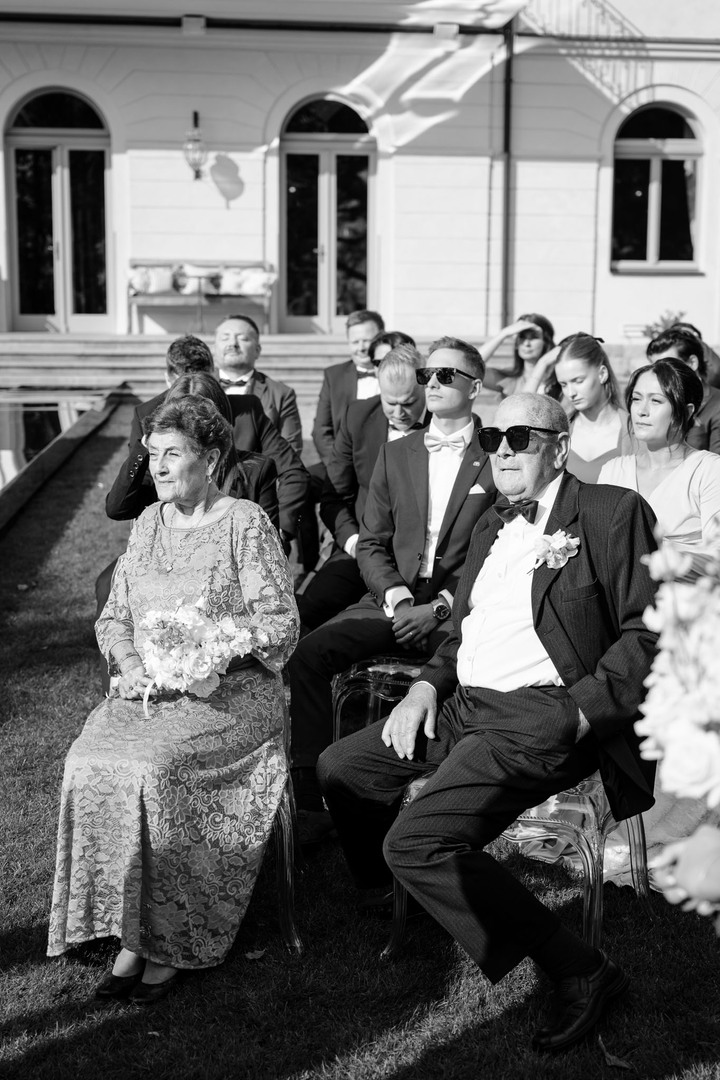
x=466 y=432
x=546 y=500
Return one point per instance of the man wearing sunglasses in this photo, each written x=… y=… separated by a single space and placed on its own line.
x=538 y=686
x=427 y=492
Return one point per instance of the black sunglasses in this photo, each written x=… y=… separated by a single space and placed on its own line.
x=444 y=375
x=517 y=437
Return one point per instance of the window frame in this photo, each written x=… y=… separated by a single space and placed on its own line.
x=656 y=151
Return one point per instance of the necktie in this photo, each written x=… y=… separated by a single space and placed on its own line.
x=433 y=443
x=508 y=511
x=366 y=374
x=225 y=383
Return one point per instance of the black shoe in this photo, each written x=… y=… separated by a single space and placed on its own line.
x=149 y=993
x=117 y=986
x=314 y=827
x=580 y=1001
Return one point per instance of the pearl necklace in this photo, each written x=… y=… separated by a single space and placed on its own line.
x=168 y=559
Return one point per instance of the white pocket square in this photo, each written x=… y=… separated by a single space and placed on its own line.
x=477 y=489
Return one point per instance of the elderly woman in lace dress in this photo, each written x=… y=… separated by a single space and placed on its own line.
x=164 y=819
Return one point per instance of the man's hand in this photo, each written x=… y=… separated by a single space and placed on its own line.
x=412 y=624
x=418 y=709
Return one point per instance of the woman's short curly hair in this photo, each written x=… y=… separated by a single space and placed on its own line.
x=197 y=420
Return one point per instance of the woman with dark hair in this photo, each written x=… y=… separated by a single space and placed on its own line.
x=385 y=342
x=165 y=814
x=681 y=484
x=598 y=423
x=534 y=338
x=243 y=474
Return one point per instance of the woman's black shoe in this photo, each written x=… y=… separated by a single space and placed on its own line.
x=117 y=986
x=149 y=993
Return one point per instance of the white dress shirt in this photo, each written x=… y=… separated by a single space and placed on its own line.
x=241 y=384
x=443 y=468
x=499 y=647
x=368 y=386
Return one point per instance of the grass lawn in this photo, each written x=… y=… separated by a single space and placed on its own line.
x=335 y=1012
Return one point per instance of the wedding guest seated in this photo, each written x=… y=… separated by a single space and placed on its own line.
x=598 y=424
x=534 y=337
x=538 y=685
x=243 y=474
x=711 y=357
x=164 y=820
x=682 y=485
x=683 y=345
x=382 y=343
x=427 y=491
x=133 y=489
x=366 y=427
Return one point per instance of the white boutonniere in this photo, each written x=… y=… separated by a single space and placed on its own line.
x=555 y=550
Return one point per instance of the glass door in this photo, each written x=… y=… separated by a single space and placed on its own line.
x=60 y=237
x=326 y=258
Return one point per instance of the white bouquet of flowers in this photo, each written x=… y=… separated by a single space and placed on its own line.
x=681 y=713
x=187 y=650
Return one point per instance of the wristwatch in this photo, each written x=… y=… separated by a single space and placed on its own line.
x=440 y=609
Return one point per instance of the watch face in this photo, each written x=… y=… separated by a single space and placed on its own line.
x=441 y=610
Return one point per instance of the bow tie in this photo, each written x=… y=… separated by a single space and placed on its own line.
x=433 y=443
x=225 y=383
x=366 y=374
x=508 y=511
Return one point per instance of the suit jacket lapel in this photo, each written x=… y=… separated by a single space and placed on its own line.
x=562 y=515
x=417 y=459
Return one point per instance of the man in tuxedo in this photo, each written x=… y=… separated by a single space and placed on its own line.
x=353 y=380
x=236 y=349
x=427 y=492
x=538 y=686
x=367 y=425
x=133 y=488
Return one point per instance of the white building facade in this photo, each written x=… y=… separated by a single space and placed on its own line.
x=413 y=157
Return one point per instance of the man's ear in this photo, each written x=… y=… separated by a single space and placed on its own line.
x=693 y=362
x=475 y=388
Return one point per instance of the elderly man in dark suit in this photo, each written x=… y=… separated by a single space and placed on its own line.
x=538 y=685
x=427 y=492
x=133 y=489
x=368 y=425
x=236 y=350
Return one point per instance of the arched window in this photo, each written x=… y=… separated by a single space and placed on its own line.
x=58 y=146
x=328 y=164
x=657 y=161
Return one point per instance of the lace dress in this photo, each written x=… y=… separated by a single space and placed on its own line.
x=163 y=822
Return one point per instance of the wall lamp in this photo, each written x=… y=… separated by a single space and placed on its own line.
x=194 y=148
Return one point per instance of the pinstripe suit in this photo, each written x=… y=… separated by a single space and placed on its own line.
x=496 y=753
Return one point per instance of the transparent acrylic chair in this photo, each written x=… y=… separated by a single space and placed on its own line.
x=581 y=817
x=380 y=680
x=284 y=834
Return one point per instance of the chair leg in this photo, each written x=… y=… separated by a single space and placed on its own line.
x=284 y=830
x=638 y=861
x=592 y=865
x=399 y=919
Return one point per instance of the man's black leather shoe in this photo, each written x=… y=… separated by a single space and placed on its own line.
x=580 y=1001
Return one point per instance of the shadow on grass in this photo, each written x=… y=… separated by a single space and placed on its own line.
x=28 y=540
x=338 y=1012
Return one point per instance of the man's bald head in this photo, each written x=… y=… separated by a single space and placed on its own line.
x=524 y=474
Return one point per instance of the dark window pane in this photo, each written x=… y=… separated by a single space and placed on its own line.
x=87 y=222
x=655 y=123
x=630 y=209
x=302 y=172
x=36 y=278
x=351 y=265
x=677 y=209
x=330 y=117
x=57 y=110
